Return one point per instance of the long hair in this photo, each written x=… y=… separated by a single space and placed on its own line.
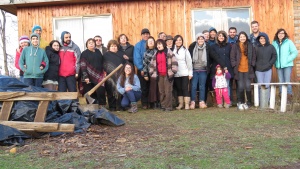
x=150 y=37
x=221 y=44
x=174 y=41
x=245 y=44
x=119 y=37
x=123 y=75
x=285 y=35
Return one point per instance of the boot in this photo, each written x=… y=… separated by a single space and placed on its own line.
x=249 y=96
x=133 y=108
x=187 y=103
x=192 y=106
x=180 y=100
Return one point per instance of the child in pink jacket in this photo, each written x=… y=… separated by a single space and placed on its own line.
x=220 y=85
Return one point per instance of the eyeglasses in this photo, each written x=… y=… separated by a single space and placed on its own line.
x=128 y=68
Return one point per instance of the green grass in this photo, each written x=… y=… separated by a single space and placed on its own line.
x=212 y=138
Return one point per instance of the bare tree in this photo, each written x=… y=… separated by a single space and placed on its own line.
x=3 y=40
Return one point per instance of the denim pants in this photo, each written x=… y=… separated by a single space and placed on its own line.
x=264 y=77
x=129 y=97
x=34 y=81
x=199 y=79
x=284 y=75
x=67 y=84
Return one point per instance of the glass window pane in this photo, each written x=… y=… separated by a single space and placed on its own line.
x=239 y=18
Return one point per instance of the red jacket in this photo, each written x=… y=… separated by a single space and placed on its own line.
x=69 y=60
x=18 y=54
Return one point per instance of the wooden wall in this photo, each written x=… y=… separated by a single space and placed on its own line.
x=170 y=16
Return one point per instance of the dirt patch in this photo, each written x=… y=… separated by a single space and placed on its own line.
x=292 y=166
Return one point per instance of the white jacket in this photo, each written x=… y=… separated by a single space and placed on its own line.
x=185 y=66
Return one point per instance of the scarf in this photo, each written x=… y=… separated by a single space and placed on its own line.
x=203 y=59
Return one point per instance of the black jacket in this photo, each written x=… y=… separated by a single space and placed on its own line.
x=128 y=51
x=53 y=57
x=265 y=55
x=211 y=55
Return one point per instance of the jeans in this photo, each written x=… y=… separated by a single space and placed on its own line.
x=34 y=81
x=199 y=79
x=67 y=84
x=244 y=82
x=129 y=97
x=264 y=77
x=22 y=79
x=284 y=75
x=144 y=88
x=229 y=87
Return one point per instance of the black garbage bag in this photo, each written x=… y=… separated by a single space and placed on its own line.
x=7 y=82
x=64 y=106
x=103 y=116
x=73 y=118
x=11 y=136
x=24 y=111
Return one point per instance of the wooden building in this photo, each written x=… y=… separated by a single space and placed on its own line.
x=129 y=17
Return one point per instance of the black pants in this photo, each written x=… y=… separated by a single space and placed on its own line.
x=144 y=88
x=98 y=95
x=67 y=84
x=182 y=86
x=244 y=83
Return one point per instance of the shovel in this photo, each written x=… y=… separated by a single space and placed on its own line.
x=89 y=93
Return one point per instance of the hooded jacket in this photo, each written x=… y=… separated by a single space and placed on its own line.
x=184 y=60
x=265 y=55
x=128 y=51
x=69 y=58
x=32 y=57
x=139 y=50
x=53 y=57
x=286 y=53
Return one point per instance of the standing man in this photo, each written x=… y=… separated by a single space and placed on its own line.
x=69 y=63
x=99 y=44
x=206 y=35
x=30 y=62
x=232 y=35
x=212 y=36
x=169 y=42
x=255 y=32
x=38 y=30
x=139 y=50
x=162 y=36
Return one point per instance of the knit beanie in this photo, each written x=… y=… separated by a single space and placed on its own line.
x=35 y=27
x=23 y=38
x=200 y=35
x=212 y=29
x=35 y=35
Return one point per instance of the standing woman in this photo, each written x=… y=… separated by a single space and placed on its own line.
x=24 y=42
x=51 y=76
x=91 y=71
x=153 y=89
x=222 y=48
x=286 y=54
x=112 y=59
x=184 y=73
x=129 y=86
x=126 y=47
x=201 y=54
x=243 y=58
x=163 y=66
x=265 y=58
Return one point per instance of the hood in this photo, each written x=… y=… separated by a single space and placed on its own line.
x=266 y=37
x=50 y=49
x=62 y=37
x=212 y=29
x=37 y=35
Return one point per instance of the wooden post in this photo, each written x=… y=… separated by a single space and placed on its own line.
x=283 y=98
x=256 y=96
x=6 y=109
x=41 y=111
x=272 y=97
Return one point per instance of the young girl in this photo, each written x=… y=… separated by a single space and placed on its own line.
x=129 y=86
x=24 y=42
x=220 y=85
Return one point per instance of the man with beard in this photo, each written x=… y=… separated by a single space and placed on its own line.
x=255 y=33
x=232 y=35
x=69 y=63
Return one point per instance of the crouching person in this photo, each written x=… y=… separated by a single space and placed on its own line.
x=129 y=86
x=163 y=66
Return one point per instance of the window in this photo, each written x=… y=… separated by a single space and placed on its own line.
x=221 y=19
x=83 y=28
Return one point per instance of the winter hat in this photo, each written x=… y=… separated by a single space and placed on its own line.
x=145 y=30
x=200 y=35
x=212 y=29
x=35 y=27
x=24 y=38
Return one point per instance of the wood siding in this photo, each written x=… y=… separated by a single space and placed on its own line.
x=172 y=17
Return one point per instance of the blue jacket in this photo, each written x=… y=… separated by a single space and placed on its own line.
x=136 y=86
x=286 y=53
x=139 y=50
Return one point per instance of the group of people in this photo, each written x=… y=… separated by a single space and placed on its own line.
x=156 y=71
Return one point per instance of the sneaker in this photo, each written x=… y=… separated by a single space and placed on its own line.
x=245 y=106
x=192 y=105
x=202 y=105
x=227 y=106
x=240 y=106
x=220 y=106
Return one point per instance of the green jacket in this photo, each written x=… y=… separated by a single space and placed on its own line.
x=286 y=53
x=32 y=57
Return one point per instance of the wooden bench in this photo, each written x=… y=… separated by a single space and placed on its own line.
x=39 y=124
x=283 y=100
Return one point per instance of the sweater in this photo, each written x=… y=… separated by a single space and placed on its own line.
x=69 y=59
x=286 y=53
x=136 y=86
x=32 y=57
x=243 y=66
x=161 y=63
x=183 y=57
x=139 y=50
x=53 y=57
x=265 y=55
x=148 y=55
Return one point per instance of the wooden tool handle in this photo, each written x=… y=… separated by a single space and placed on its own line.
x=107 y=77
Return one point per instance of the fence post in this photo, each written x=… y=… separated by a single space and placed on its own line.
x=283 y=98
x=272 y=97
x=256 y=96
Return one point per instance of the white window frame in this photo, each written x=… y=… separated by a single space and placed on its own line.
x=218 y=9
